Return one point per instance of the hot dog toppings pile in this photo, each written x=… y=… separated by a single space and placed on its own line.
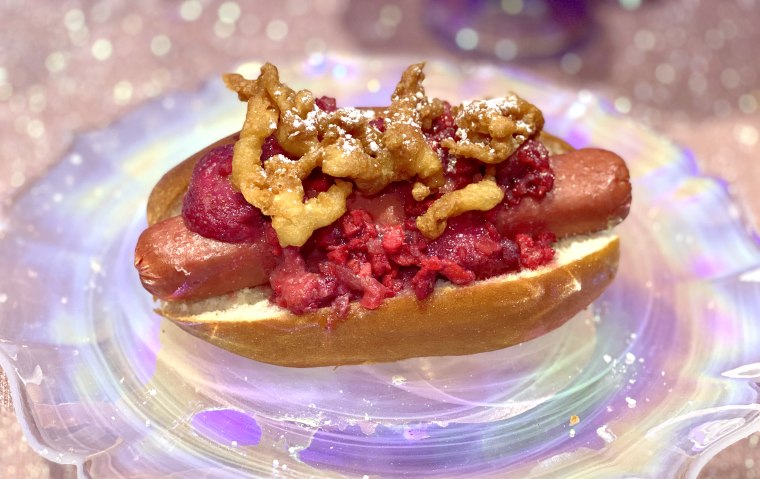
x=357 y=150
x=335 y=209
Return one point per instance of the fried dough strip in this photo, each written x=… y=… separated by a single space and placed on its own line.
x=345 y=145
x=491 y=130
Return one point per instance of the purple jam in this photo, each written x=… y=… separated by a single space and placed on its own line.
x=474 y=243
x=212 y=208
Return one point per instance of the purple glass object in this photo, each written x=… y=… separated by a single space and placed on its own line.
x=227 y=426
x=511 y=29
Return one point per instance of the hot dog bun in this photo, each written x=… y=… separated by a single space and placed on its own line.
x=455 y=320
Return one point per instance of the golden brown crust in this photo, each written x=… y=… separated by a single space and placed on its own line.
x=483 y=316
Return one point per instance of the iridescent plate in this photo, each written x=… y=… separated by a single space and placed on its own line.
x=654 y=379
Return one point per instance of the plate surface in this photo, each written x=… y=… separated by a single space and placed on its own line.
x=653 y=380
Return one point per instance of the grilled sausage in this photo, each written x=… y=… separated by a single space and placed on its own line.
x=591 y=193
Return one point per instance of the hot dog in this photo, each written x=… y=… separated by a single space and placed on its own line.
x=330 y=237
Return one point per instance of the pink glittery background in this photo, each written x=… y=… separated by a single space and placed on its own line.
x=686 y=68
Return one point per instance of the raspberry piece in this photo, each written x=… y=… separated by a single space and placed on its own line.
x=378 y=124
x=460 y=172
x=358 y=222
x=378 y=259
x=526 y=173
x=316 y=183
x=442 y=127
x=423 y=282
x=326 y=103
x=535 y=251
x=372 y=291
x=271 y=147
x=393 y=239
x=297 y=289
